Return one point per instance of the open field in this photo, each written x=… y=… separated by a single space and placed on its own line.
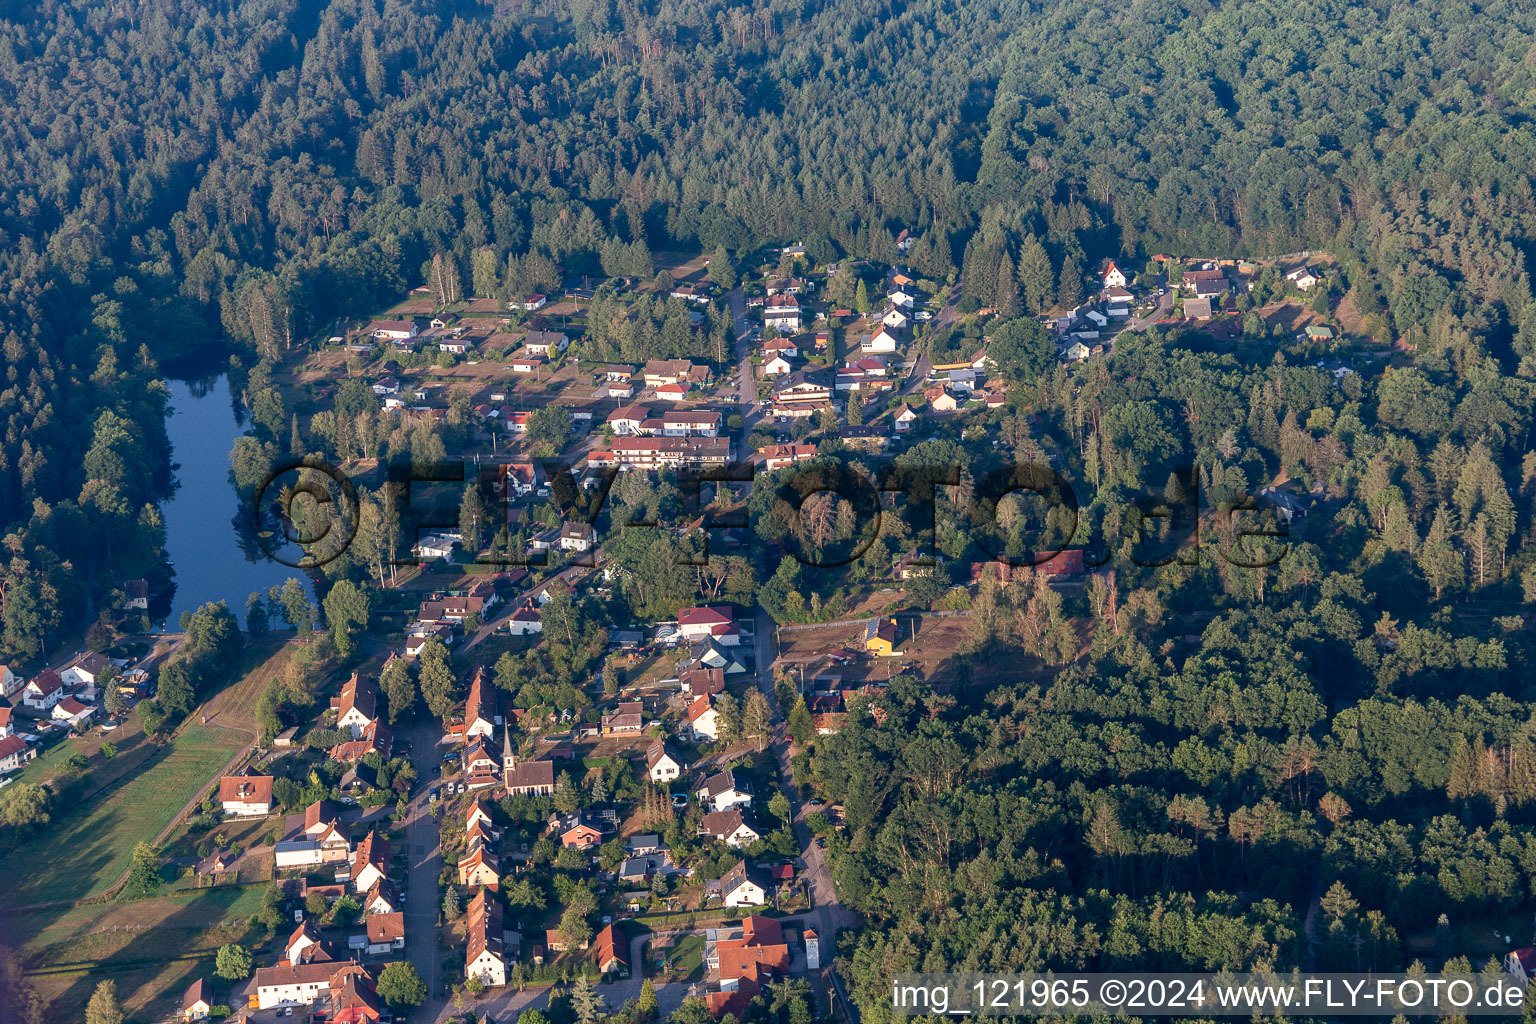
x=85 y=849
x=179 y=925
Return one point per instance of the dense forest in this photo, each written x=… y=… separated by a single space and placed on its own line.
x=183 y=177
x=188 y=180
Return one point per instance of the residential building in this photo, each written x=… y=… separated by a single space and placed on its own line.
x=659 y=372
x=575 y=831
x=370 y=862
x=73 y=712
x=85 y=667
x=385 y=932
x=730 y=827
x=246 y=795
x=880 y=636
x=545 y=343
x=484 y=957
x=743 y=886
x=659 y=452
x=391 y=330
x=527 y=619
x=700 y=680
x=1114 y=277
x=14 y=752
x=576 y=537
x=480 y=707
x=777 y=456
x=357 y=707
x=1303 y=278
x=702 y=623
x=703 y=720
x=660 y=765
x=197 y=1001
x=611 y=950
x=44 y=691
x=724 y=790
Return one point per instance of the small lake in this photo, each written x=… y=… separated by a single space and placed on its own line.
x=204 y=545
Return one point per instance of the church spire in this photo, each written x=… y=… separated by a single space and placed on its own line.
x=508 y=758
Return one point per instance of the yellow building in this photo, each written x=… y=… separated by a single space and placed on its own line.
x=880 y=636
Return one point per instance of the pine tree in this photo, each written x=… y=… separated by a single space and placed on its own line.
x=1036 y=278
x=452 y=905
x=1006 y=291
x=756 y=717
x=1069 y=290
x=586 y=1004
x=104 y=1007
x=472 y=518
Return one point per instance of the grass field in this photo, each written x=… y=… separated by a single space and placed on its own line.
x=84 y=850
x=180 y=925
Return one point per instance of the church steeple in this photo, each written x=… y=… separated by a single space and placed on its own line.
x=508 y=756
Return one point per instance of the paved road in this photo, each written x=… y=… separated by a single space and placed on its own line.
x=746 y=379
x=424 y=861
x=828 y=915
x=567 y=574
x=1164 y=307
x=505 y=1004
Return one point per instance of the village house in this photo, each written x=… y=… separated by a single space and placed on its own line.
x=14 y=752
x=480 y=707
x=1113 y=276
x=701 y=680
x=743 y=886
x=576 y=537
x=782 y=312
x=724 y=790
x=745 y=958
x=880 y=636
x=527 y=619
x=690 y=422
x=575 y=831
x=777 y=456
x=72 y=712
x=660 y=765
x=660 y=452
x=659 y=372
x=246 y=795
x=940 y=400
x=391 y=330
x=84 y=668
x=881 y=341
x=627 y=719
x=384 y=932
x=611 y=950
x=1204 y=284
x=730 y=827
x=545 y=343
x=44 y=691
x=479 y=866
x=197 y=1001
x=10 y=682
x=801 y=389
x=709 y=621
x=534 y=303
x=484 y=957
x=777 y=366
x=356 y=707
x=370 y=862
x=1303 y=278
x=703 y=721
x=906 y=419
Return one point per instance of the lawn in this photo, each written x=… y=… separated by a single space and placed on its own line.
x=85 y=849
